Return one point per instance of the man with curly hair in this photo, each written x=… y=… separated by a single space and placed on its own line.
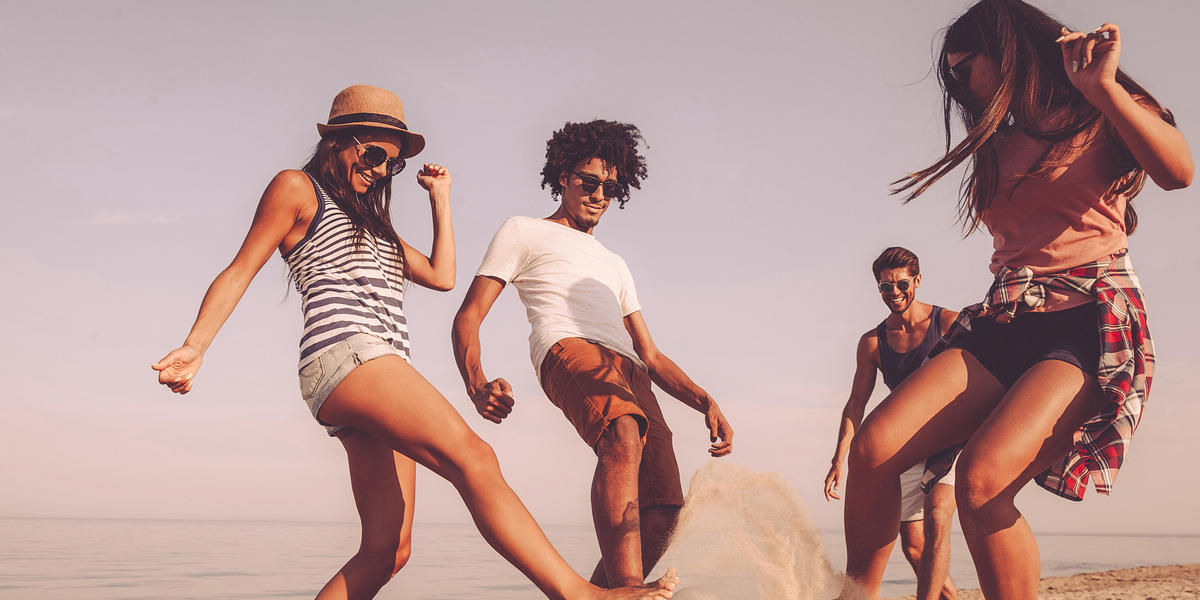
x=590 y=345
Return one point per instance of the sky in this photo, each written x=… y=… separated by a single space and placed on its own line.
x=136 y=138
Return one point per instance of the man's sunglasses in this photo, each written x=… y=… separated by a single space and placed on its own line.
x=612 y=189
x=373 y=156
x=885 y=287
x=961 y=70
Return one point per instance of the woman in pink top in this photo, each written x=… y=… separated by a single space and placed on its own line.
x=1046 y=378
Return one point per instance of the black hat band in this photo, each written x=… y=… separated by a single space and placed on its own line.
x=368 y=118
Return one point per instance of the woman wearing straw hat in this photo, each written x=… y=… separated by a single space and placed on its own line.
x=330 y=222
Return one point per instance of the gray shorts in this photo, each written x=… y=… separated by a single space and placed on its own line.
x=322 y=374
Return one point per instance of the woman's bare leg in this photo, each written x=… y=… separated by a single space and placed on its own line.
x=387 y=398
x=939 y=405
x=384 y=482
x=1031 y=428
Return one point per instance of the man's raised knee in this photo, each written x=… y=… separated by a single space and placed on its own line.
x=621 y=441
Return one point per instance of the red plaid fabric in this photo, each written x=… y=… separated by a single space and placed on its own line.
x=1125 y=372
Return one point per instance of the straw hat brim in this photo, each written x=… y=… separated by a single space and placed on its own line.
x=414 y=142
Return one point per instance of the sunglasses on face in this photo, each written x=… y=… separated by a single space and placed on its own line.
x=961 y=70
x=373 y=156
x=589 y=183
x=885 y=287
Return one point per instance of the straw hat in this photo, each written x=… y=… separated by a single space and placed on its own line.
x=369 y=106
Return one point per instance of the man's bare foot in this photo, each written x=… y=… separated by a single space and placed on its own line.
x=662 y=589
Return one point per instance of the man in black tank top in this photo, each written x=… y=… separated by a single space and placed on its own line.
x=896 y=348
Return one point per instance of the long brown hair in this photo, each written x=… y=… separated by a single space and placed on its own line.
x=370 y=211
x=1034 y=94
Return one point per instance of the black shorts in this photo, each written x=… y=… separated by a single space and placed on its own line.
x=1008 y=350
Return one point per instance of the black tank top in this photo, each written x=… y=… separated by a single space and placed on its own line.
x=896 y=366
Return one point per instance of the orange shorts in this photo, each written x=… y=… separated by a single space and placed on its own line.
x=593 y=385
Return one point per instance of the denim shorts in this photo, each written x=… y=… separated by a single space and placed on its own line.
x=321 y=375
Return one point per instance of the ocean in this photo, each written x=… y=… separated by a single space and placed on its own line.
x=111 y=559
x=743 y=535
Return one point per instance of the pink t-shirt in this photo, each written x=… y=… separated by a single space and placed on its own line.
x=1064 y=218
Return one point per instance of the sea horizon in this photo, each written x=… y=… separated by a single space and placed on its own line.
x=556 y=524
x=111 y=558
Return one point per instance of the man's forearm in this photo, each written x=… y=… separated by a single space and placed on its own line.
x=845 y=436
x=852 y=417
x=465 y=339
x=664 y=372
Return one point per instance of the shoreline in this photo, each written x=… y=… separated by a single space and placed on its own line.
x=1165 y=582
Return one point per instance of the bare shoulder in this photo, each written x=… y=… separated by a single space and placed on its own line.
x=291 y=181
x=948 y=317
x=868 y=346
x=870 y=337
x=290 y=189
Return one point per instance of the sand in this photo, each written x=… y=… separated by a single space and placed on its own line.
x=746 y=535
x=1171 y=582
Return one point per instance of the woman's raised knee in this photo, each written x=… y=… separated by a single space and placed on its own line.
x=976 y=486
x=869 y=451
x=472 y=454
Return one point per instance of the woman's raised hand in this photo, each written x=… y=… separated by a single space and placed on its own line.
x=435 y=178
x=1090 y=58
x=178 y=368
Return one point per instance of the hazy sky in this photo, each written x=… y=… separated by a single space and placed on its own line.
x=136 y=139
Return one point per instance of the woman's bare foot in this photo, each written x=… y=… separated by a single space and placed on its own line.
x=662 y=589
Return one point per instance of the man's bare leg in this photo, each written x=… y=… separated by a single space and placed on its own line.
x=912 y=542
x=933 y=577
x=615 y=511
x=658 y=522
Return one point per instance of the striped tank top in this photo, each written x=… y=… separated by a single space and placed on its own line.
x=346 y=288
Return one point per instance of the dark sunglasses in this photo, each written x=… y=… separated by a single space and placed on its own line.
x=373 y=156
x=961 y=70
x=885 y=287
x=612 y=189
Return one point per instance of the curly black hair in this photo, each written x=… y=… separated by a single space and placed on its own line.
x=614 y=143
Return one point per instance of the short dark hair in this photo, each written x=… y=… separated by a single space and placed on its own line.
x=614 y=143
x=896 y=258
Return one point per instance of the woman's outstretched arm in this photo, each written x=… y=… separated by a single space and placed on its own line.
x=1091 y=64
x=436 y=271
x=278 y=213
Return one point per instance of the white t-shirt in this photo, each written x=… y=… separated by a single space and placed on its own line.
x=570 y=284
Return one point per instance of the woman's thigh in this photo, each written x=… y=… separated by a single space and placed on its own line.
x=384 y=486
x=387 y=398
x=1031 y=428
x=939 y=405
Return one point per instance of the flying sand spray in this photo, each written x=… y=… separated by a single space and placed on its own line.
x=744 y=535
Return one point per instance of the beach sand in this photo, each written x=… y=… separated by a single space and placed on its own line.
x=1171 y=582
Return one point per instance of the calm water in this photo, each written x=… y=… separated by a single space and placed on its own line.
x=128 y=559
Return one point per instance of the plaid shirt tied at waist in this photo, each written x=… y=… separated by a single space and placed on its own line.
x=1125 y=371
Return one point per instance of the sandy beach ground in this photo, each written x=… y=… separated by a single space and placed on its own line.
x=1172 y=582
